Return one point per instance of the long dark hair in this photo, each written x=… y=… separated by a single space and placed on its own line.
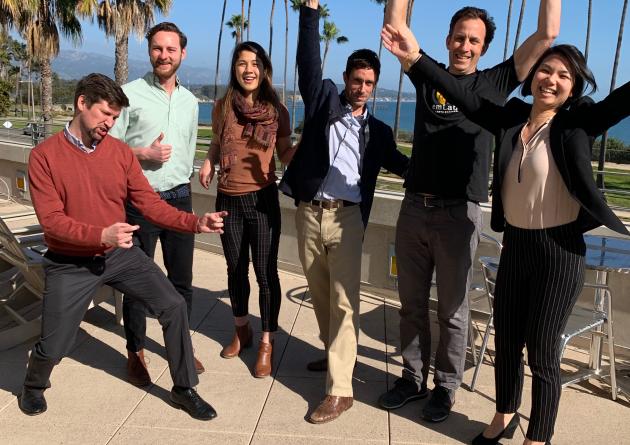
x=266 y=93
x=576 y=63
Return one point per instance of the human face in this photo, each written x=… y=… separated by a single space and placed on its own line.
x=359 y=86
x=552 y=83
x=165 y=54
x=465 y=45
x=95 y=122
x=247 y=71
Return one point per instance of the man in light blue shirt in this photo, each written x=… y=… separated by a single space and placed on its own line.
x=160 y=126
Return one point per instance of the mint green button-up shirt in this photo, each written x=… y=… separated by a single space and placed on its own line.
x=151 y=111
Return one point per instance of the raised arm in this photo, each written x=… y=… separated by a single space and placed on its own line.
x=402 y=44
x=537 y=43
x=396 y=13
x=595 y=118
x=309 y=61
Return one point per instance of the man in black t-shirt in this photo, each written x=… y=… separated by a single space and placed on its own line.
x=440 y=218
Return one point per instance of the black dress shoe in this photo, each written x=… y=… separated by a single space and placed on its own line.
x=508 y=433
x=191 y=402
x=32 y=402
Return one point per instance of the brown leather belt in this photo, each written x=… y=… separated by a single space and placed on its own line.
x=330 y=204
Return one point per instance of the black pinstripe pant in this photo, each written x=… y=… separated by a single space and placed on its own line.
x=540 y=276
x=253 y=221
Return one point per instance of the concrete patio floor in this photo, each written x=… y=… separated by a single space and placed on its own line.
x=91 y=403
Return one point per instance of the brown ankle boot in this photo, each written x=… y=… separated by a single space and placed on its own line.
x=264 y=361
x=137 y=373
x=242 y=339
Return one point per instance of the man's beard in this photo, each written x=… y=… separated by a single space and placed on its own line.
x=174 y=66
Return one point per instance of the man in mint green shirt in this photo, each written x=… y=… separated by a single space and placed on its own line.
x=160 y=126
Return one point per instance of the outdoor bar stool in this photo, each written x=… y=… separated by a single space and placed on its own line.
x=489 y=267
x=598 y=323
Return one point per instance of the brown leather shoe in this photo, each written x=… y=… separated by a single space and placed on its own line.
x=242 y=339
x=199 y=369
x=137 y=373
x=265 y=358
x=320 y=365
x=330 y=408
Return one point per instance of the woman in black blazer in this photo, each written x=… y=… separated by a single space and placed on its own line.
x=543 y=197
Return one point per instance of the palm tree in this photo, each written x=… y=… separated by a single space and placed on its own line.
x=380 y=50
x=273 y=7
x=236 y=23
x=330 y=33
x=216 y=72
x=242 y=9
x=400 y=80
x=507 y=30
x=286 y=50
x=519 y=25
x=588 y=29
x=11 y=11
x=249 y=16
x=613 y=80
x=119 y=18
x=41 y=29
x=295 y=7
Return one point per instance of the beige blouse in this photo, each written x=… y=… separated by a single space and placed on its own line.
x=533 y=192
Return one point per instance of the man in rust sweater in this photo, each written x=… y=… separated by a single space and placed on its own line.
x=80 y=180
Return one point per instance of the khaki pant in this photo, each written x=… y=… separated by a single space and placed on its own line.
x=329 y=244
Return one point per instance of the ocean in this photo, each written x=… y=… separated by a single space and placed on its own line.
x=386 y=111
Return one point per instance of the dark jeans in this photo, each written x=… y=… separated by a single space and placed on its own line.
x=177 y=251
x=253 y=221
x=70 y=287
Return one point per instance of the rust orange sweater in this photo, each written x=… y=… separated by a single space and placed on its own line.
x=76 y=195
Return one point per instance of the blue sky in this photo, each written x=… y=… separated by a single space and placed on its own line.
x=360 y=21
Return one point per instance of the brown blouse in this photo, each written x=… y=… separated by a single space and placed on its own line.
x=245 y=165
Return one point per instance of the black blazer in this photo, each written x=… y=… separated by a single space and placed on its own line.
x=571 y=138
x=323 y=105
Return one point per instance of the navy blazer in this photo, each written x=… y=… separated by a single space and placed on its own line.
x=323 y=105
x=571 y=138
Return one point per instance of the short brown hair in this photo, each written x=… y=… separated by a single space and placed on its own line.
x=471 y=12
x=364 y=59
x=96 y=87
x=168 y=27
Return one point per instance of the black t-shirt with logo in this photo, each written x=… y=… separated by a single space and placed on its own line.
x=451 y=155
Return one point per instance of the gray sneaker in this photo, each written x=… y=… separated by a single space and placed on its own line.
x=439 y=405
x=403 y=391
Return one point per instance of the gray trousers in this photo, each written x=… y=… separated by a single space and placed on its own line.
x=444 y=240
x=69 y=289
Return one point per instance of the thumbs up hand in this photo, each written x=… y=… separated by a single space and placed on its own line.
x=157 y=151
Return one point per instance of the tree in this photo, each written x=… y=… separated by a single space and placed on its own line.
x=273 y=7
x=295 y=7
x=41 y=29
x=519 y=25
x=507 y=30
x=286 y=50
x=216 y=72
x=380 y=50
x=12 y=11
x=249 y=16
x=120 y=18
x=400 y=80
x=613 y=80
x=236 y=23
x=330 y=33
x=588 y=29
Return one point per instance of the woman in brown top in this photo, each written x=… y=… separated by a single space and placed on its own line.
x=544 y=197
x=248 y=122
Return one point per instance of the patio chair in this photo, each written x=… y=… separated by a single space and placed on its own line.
x=22 y=249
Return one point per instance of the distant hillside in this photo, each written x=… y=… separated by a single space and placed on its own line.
x=72 y=64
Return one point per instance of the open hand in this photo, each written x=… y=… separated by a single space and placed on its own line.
x=206 y=173
x=400 y=42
